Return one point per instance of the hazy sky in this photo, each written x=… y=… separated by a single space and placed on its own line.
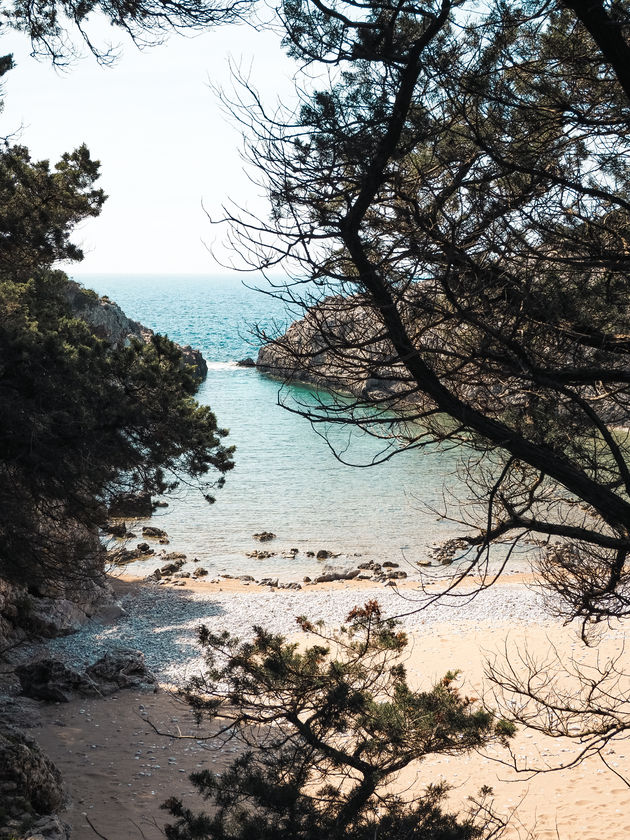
x=164 y=143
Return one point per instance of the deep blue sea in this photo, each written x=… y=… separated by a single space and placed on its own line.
x=286 y=479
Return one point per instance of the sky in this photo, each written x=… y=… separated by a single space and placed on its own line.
x=164 y=142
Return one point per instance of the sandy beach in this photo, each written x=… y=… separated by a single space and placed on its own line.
x=119 y=770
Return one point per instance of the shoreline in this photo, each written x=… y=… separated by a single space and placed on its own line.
x=109 y=752
x=161 y=620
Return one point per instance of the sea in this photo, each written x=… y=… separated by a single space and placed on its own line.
x=287 y=478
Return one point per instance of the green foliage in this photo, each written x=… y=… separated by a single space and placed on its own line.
x=325 y=730
x=79 y=421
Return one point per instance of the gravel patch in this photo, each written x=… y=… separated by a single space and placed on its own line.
x=162 y=622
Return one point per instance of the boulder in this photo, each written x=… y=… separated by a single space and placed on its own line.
x=153 y=533
x=264 y=536
x=248 y=362
x=48 y=828
x=171 y=568
x=323 y=554
x=29 y=781
x=121 y=668
x=52 y=680
x=200 y=572
x=116 y=529
x=57 y=616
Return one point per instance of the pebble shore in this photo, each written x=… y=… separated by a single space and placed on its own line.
x=162 y=622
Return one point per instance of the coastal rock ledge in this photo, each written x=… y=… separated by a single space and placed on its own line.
x=107 y=321
x=312 y=352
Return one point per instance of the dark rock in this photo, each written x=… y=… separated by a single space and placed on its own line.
x=329 y=577
x=171 y=568
x=247 y=362
x=164 y=541
x=272 y=582
x=264 y=536
x=182 y=575
x=247 y=578
x=310 y=554
x=323 y=554
x=122 y=556
x=153 y=532
x=131 y=505
x=109 y=613
x=48 y=828
x=122 y=668
x=144 y=547
x=306 y=579
x=160 y=504
x=31 y=778
x=389 y=565
x=351 y=575
x=52 y=680
x=200 y=572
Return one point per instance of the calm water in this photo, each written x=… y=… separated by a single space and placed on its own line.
x=286 y=479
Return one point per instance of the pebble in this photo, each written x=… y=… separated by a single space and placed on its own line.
x=163 y=625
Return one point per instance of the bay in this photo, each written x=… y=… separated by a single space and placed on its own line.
x=286 y=479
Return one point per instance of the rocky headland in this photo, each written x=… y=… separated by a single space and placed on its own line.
x=109 y=322
x=338 y=345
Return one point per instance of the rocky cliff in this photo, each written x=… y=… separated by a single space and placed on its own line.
x=338 y=345
x=109 y=322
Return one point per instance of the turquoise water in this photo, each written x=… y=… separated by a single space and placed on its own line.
x=286 y=479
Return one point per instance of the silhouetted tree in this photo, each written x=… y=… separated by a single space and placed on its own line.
x=452 y=208
x=324 y=731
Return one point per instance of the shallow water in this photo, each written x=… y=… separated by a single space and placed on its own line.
x=286 y=479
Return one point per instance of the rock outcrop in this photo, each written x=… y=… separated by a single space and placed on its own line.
x=338 y=345
x=53 y=681
x=109 y=322
x=31 y=789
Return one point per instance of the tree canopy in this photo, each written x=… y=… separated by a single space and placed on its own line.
x=80 y=421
